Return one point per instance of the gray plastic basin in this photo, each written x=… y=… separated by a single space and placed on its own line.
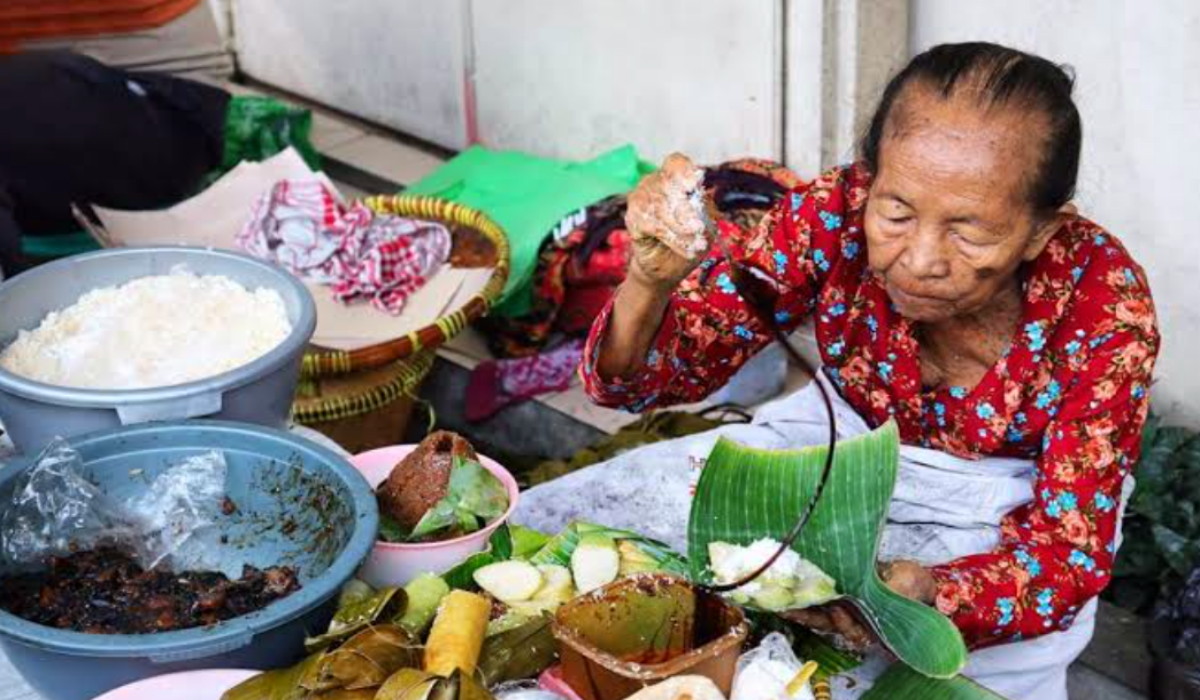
x=260 y=392
x=299 y=504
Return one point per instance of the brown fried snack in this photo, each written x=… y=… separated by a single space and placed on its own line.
x=420 y=480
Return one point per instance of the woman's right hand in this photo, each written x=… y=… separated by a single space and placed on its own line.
x=667 y=231
x=668 y=243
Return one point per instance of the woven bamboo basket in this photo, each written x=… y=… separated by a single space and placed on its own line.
x=364 y=398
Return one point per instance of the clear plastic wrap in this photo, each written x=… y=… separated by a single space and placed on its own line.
x=763 y=673
x=176 y=516
x=523 y=690
x=54 y=510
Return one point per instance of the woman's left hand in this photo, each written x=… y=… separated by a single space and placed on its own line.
x=907 y=578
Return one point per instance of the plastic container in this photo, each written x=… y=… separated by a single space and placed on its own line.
x=391 y=564
x=189 y=685
x=260 y=392
x=642 y=630
x=298 y=504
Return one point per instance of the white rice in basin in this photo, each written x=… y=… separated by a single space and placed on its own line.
x=151 y=332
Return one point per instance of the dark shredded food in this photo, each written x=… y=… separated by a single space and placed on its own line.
x=106 y=592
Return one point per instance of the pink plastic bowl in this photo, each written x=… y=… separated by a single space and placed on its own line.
x=552 y=680
x=189 y=685
x=392 y=564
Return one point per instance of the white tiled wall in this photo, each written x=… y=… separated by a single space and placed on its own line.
x=573 y=78
x=400 y=63
x=556 y=77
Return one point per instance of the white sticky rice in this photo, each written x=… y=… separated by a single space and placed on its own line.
x=151 y=332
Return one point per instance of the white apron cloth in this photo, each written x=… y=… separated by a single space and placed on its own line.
x=944 y=508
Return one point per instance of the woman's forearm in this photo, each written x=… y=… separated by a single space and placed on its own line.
x=637 y=315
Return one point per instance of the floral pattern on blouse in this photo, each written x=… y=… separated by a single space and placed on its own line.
x=1070 y=391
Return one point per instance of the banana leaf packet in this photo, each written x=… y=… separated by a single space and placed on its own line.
x=358 y=608
x=368 y=655
x=365 y=660
x=518 y=654
x=411 y=684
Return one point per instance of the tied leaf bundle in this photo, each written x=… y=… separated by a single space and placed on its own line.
x=411 y=684
x=373 y=650
x=358 y=608
x=365 y=660
x=747 y=494
x=522 y=652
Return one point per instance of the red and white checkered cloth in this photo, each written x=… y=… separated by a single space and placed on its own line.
x=301 y=225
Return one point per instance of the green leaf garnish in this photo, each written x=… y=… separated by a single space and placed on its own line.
x=474 y=498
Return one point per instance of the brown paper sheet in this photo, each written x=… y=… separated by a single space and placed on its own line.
x=214 y=217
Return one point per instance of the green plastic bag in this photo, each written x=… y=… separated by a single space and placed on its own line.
x=527 y=196
x=257 y=128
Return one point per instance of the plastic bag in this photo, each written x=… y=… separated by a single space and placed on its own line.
x=523 y=690
x=176 y=516
x=257 y=128
x=763 y=673
x=55 y=511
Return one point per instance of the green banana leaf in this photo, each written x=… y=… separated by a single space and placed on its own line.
x=526 y=542
x=747 y=494
x=831 y=660
x=903 y=683
x=897 y=683
x=559 y=548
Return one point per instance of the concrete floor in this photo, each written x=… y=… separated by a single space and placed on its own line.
x=1085 y=683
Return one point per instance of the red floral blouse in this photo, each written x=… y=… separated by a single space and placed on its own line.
x=1070 y=390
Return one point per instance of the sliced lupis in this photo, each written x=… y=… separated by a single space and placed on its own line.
x=510 y=581
x=595 y=562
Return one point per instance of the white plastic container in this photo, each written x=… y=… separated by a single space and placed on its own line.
x=259 y=392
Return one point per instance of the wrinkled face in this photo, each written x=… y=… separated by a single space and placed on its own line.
x=948 y=220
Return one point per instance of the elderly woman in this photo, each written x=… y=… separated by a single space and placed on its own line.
x=954 y=288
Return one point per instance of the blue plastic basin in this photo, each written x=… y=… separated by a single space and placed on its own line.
x=299 y=505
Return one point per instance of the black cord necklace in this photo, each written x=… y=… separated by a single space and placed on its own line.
x=761 y=296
